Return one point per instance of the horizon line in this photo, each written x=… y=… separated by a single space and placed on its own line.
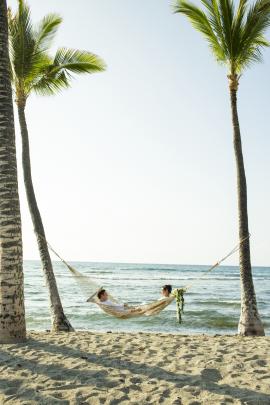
x=142 y=263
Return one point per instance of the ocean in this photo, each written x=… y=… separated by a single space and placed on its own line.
x=212 y=304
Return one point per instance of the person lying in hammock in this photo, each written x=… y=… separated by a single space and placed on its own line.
x=104 y=300
x=166 y=291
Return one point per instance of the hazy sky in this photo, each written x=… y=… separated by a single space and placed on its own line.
x=136 y=164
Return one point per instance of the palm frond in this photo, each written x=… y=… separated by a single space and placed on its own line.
x=252 y=38
x=76 y=61
x=33 y=69
x=235 y=34
x=237 y=27
x=50 y=84
x=22 y=42
x=201 y=23
x=57 y=75
x=215 y=19
x=46 y=31
x=40 y=72
x=226 y=8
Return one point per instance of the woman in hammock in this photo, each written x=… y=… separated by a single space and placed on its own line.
x=166 y=291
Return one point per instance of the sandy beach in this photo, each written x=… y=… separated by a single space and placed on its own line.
x=121 y=368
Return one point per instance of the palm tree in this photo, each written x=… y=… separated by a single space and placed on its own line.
x=12 y=315
x=236 y=39
x=34 y=70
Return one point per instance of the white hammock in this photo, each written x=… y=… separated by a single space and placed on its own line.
x=86 y=285
x=153 y=308
x=133 y=311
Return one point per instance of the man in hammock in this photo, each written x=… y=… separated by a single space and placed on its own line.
x=104 y=300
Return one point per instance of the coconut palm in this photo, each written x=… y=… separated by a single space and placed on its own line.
x=34 y=70
x=12 y=318
x=236 y=38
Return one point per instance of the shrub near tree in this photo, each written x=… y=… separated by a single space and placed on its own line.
x=35 y=70
x=236 y=39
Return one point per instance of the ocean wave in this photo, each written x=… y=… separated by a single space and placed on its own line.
x=119 y=278
x=219 y=303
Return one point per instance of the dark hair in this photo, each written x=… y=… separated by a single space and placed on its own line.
x=100 y=293
x=167 y=287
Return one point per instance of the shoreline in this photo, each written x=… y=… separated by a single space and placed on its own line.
x=135 y=368
x=126 y=332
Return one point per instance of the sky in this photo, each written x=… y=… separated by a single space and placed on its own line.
x=136 y=164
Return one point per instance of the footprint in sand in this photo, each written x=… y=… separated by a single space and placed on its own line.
x=135 y=380
x=261 y=363
x=259 y=371
x=255 y=357
x=119 y=401
x=11 y=391
x=187 y=356
x=222 y=351
x=211 y=374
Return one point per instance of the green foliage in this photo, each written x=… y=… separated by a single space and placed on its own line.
x=178 y=293
x=33 y=67
x=235 y=33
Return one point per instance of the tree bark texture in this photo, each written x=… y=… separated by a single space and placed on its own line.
x=12 y=313
x=250 y=322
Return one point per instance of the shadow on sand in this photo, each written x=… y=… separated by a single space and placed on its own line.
x=63 y=378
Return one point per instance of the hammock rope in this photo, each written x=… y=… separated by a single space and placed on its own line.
x=218 y=263
x=147 y=309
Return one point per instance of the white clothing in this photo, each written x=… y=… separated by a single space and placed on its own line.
x=163 y=298
x=114 y=305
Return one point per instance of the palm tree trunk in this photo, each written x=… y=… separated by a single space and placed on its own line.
x=59 y=320
x=250 y=322
x=12 y=314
